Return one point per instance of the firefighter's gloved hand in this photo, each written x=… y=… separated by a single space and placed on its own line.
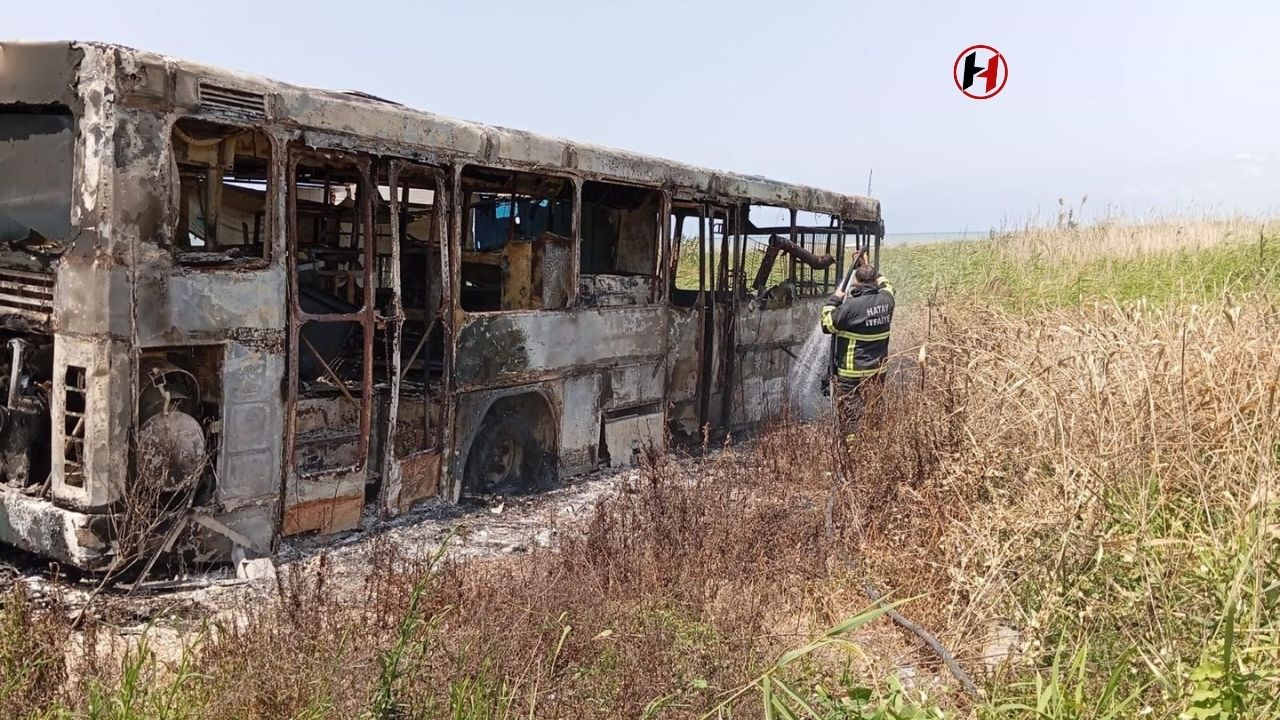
x=826 y=387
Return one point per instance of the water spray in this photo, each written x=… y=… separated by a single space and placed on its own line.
x=815 y=361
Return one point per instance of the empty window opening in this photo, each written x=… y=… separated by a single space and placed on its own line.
x=518 y=236
x=37 y=153
x=861 y=243
x=330 y=236
x=223 y=183
x=621 y=234
x=331 y=402
x=686 y=229
x=782 y=260
x=75 y=414
x=704 y=253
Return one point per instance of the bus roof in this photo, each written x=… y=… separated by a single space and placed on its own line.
x=212 y=91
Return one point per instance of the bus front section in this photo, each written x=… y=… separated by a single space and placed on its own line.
x=108 y=445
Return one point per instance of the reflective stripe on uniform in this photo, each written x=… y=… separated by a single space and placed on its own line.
x=860 y=373
x=847 y=367
x=828 y=318
x=862 y=337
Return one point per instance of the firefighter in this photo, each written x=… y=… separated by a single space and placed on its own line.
x=860 y=320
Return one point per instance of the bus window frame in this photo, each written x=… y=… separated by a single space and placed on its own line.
x=660 y=271
x=275 y=244
x=459 y=229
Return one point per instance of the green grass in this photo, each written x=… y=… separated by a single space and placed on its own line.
x=1007 y=273
x=1023 y=281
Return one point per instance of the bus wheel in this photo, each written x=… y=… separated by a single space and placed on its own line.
x=504 y=456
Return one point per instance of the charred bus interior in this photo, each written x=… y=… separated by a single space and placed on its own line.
x=413 y=210
x=517 y=240
x=222 y=173
x=620 y=240
x=36 y=169
x=367 y=271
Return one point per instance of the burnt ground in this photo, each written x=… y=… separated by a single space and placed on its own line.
x=496 y=526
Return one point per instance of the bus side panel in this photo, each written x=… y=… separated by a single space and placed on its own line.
x=764 y=336
x=591 y=366
x=513 y=348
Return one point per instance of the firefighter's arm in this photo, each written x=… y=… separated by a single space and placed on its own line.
x=883 y=283
x=829 y=313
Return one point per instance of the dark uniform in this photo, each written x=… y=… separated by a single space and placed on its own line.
x=860 y=322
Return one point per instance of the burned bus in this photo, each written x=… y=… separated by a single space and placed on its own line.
x=269 y=310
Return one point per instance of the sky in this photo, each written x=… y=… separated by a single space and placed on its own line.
x=1128 y=108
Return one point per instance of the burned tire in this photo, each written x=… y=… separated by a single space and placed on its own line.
x=505 y=457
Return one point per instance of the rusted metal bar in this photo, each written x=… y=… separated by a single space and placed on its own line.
x=708 y=309
x=840 y=246
x=879 y=239
x=786 y=229
x=826 y=271
x=16 y=346
x=791 y=233
x=725 y=258
x=431 y=327
x=291 y=350
x=337 y=381
x=766 y=267
x=396 y=196
x=369 y=228
x=801 y=253
x=575 y=232
x=730 y=323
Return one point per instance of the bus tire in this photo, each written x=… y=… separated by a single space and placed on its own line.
x=505 y=457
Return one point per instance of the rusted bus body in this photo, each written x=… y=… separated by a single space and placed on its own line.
x=338 y=303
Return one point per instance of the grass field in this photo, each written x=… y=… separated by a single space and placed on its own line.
x=1193 y=260
x=1085 y=463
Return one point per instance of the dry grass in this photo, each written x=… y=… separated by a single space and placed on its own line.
x=1100 y=478
x=1120 y=238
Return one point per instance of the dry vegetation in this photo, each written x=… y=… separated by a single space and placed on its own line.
x=1099 y=476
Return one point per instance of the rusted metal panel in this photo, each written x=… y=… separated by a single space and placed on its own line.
x=682 y=362
x=768 y=340
x=633 y=384
x=419 y=478
x=211 y=302
x=326 y=515
x=40 y=73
